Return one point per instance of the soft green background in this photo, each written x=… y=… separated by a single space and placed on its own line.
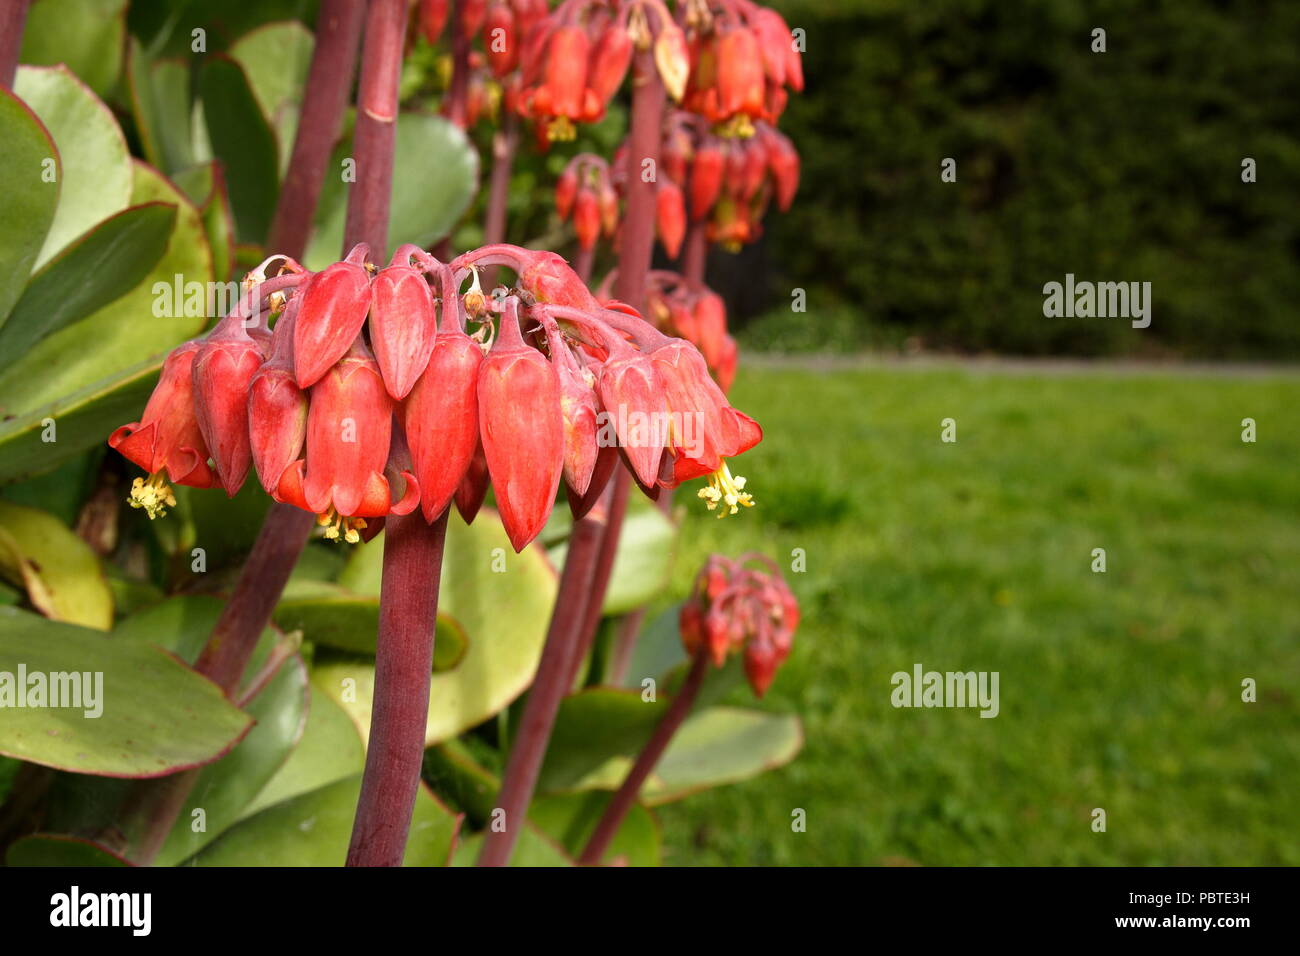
x=1119 y=690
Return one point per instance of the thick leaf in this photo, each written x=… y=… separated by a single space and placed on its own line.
x=226 y=788
x=592 y=726
x=82 y=419
x=457 y=777
x=345 y=621
x=534 y=848
x=60 y=572
x=276 y=58
x=717 y=746
x=314 y=830
x=96 y=173
x=504 y=616
x=27 y=203
x=329 y=751
x=643 y=560
x=244 y=142
x=87 y=35
x=658 y=649
x=570 y=819
x=158 y=716
x=103 y=357
x=435 y=175
x=57 y=849
x=100 y=266
x=160 y=101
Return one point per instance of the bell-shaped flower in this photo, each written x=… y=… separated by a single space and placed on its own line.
x=334 y=306
x=441 y=417
x=403 y=327
x=349 y=431
x=225 y=364
x=167 y=441
x=521 y=428
x=277 y=407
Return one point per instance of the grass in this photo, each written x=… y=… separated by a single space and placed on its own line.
x=1119 y=690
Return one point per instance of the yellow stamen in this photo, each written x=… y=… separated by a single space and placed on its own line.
x=154 y=495
x=739 y=126
x=339 y=527
x=561 y=130
x=727 y=490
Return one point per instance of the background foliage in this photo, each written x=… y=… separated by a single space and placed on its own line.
x=1117 y=166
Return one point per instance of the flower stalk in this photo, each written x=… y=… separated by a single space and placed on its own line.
x=619 y=805
x=13 y=18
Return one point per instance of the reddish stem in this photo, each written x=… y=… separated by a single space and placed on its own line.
x=583 y=262
x=600 y=576
x=13 y=18
x=549 y=687
x=458 y=93
x=504 y=144
x=376 y=130
x=639 y=212
x=695 y=254
x=626 y=796
x=329 y=81
x=408 y=613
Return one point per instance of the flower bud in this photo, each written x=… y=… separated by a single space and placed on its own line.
x=501 y=40
x=334 y=307
x=521 y=429
x=433 y=18
x=672 y=59
x=586 y=218
x=566 y=71
x=167 y=437
x=474 y=486
x=610 y=59
x=403 y=328
x=441 y=418
x=670 y=216
x=566 y=191
x=706 y=180
x=578 y=407
x=740 y=74
x=223 y=368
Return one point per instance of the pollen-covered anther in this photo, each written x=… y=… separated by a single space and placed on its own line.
x=339 y=527
x=727 y=490
x=154 y=495
x=561 y=130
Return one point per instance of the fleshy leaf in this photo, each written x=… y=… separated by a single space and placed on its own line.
x=61 y=574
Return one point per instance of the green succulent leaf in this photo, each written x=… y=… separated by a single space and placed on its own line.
x=534 y=848
x=28 y=203
x=96 y=166
x=330 y=751
x=276 y=58
x=504 y=617
x=244 y=142
x=163 y=111
x=570 y=819
x=103 y=265
x=157 y=715
x=60 y=849
x=314 y=829
x=61 y=574
x=87 y=35
x=435 y=176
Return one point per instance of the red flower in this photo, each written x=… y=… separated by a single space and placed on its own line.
x=441 y=417
x=225 y=364
x=167 y=441
x=522 y=430
x=334 y=307
x=402 y=326
x=277 y=408
x=670 y=216
x=349 y=430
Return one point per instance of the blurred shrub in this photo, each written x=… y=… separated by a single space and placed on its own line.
x=1122 y=166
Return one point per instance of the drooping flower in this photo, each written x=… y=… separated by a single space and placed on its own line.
x=333 y=310
x=521 y=428
x=224 y=367
x=403 y=327
x=349 y=429
x=167 y=441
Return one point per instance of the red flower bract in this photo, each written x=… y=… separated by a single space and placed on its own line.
x=334 y=307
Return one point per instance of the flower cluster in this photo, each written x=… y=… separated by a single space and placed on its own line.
x=585 y=193
x=692 y=311
x=574 y=60
x=742 y=56
x=358 y=392
x=730 y=181
x=735 y=607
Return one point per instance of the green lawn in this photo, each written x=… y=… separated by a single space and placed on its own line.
x=1119 y=690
